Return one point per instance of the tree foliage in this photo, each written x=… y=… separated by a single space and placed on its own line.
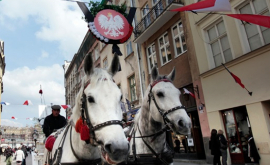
x=95 y=7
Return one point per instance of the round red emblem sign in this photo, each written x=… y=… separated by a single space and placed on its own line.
x=111 y=24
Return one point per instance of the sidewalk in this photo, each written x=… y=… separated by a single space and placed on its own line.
x=3 y=158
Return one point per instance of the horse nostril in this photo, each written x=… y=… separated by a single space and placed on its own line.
x=108 y=148
x=181 y=123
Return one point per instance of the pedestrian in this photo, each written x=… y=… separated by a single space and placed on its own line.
x=184 y=143
x=252 y=149
x=8 y=153
x=223 y=147
x=1 y=151
x=54 y=121
x=177 y=145
x=23 y=148
x=214 y=146
x=19 y=156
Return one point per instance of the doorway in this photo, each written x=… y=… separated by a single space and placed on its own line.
x=237 y=125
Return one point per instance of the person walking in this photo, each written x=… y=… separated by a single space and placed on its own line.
x=252 y=149
x=54 y=121
x=223 y=147
x=23 y=148
x=177 y=145
x=214 y=146
x=8 y=154
x=19 y=156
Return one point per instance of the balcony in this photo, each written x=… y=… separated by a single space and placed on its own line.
x=155 y=19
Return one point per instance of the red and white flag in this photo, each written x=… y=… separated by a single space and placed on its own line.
x=207 y=6
x=188 y=92
x=14 y=118
x=27 y=102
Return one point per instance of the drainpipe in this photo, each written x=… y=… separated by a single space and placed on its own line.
x=138 y=55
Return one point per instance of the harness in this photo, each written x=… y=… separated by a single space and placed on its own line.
x=93 y=141
x=154 y=158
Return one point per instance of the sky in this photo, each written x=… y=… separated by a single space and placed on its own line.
x=39 y=35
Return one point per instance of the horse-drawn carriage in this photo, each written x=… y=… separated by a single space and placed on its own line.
x=94 y=134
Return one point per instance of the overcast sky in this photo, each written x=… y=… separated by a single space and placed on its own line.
x=39 y=36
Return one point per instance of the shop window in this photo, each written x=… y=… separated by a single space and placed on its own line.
x=237 y=127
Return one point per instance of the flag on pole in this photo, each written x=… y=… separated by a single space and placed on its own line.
x=237 y=79
x=261 y=20
x=188 y=92
x=129 y=106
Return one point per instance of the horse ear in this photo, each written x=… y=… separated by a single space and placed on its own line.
x=171 y=76
x=154 y=73
x=113 y=69
x=88 y=64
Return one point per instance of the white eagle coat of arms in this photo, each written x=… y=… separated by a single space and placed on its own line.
x=113 y=25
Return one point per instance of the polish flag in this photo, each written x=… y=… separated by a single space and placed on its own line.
x=207 y=6
x=188 y=92
x=261 y=20
x=13 y=117
x=27 y=102
x=64 y=106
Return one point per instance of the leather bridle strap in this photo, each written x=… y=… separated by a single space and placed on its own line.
x=151 y=149
x=107 y=123
x=95 y=161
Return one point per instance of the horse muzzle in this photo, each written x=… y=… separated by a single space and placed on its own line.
x=114 y=152
x=183 y=126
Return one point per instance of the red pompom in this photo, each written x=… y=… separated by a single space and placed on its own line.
x=49 y=143
x=40 y=91
x=78 y=125
x=84 y=132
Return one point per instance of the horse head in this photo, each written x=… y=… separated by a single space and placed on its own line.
x=102 y=110
x=165 y=106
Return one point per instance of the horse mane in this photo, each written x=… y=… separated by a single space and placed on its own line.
x=98 y=74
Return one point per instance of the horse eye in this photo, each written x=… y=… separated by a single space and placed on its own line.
x=160 y=94
x=91 y=99
x=121 y=97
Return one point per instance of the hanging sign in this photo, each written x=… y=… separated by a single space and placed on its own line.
x=190 y=142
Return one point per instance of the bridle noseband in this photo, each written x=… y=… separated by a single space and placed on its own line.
x=162 y=112
x=85 y=116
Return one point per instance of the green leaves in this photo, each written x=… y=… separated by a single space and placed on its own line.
x=95 y=7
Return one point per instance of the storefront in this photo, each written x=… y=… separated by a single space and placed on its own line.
x=237 y=128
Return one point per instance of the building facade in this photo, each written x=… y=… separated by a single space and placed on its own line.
x=244 y=48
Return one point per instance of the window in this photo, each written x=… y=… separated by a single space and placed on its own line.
x=158 y=7
x=146 y=16
x=219 y=44
x=257 y=36
x=96 y=53
x=164 y=48
x=151 y=56
x=179 y=40
x=129 y=47
x=105 y=63
x=132 y=87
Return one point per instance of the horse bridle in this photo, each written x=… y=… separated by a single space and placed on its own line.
x=162 y=112
x=85 y=117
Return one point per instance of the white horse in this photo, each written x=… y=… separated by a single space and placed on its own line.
x=98 y=102
x=161 y=110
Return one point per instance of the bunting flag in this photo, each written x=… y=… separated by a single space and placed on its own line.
x=237 y=79
x=12 y=117
x=5 y=103
x=207 y=6
x=27 y=102
x=261 y=20
x=29 y=118
x=66 y=106
x=129 y=105
x=188 y=92
x=195 y=6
